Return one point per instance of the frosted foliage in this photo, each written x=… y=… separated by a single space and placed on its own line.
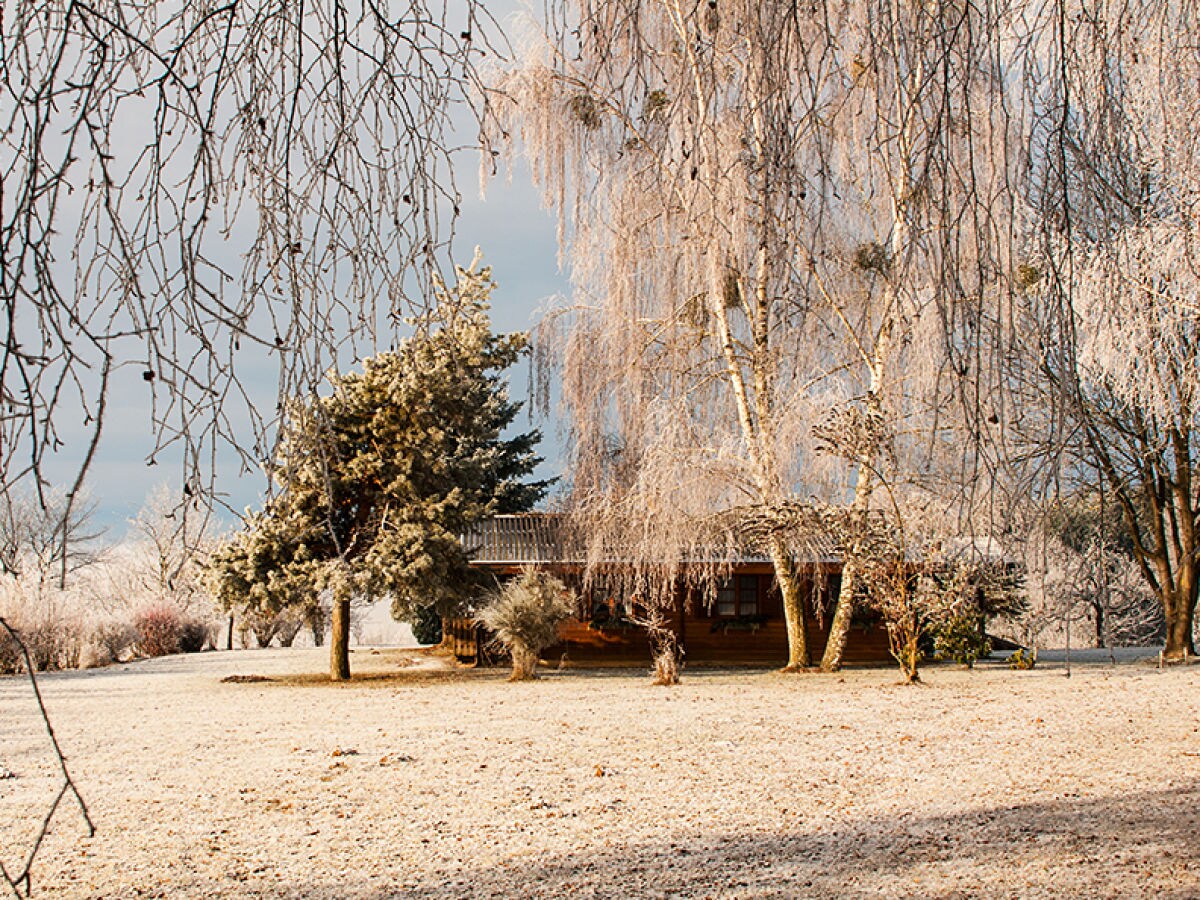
x=1138 y=309
x=1134 y=262
x=767 y=218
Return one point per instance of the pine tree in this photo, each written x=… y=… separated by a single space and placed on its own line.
x=377 y=480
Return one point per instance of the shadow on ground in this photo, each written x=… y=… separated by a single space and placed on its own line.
x=1142 y=845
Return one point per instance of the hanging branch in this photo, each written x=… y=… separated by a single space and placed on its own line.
x=191 y=194
x=799 y=215
x=21 y=882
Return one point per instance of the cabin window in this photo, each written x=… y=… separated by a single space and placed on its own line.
x=747 y=595
x=727 y=599
x=738 y=596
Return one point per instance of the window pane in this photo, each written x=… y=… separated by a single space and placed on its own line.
x=748 y=595
x=726 y=600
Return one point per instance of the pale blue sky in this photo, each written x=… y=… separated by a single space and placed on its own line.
x=517 y=237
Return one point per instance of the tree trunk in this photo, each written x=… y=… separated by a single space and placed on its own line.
x=316 y=622
x=1099 y=610
x=524 y=663
x=229 y=637
x=795 y=610
x=843 y=613
x=339 y=642
x=1180 y=615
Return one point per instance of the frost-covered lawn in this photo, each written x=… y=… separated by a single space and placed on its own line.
x=747 y=784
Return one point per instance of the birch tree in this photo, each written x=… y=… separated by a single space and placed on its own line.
x=768 y=212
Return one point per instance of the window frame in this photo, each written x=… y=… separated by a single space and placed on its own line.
x=737 y=582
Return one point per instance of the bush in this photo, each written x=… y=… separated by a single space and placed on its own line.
x=41 y=640
x=11 y=660
x=194 y=636
x=53 y=644
x=112 y=640
x=427 y=626
x=960 y=637
x=1022 y=660
x=525 y=616
x=159 y=630
x=108 y=642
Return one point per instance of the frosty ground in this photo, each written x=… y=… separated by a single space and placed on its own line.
x=423 y=782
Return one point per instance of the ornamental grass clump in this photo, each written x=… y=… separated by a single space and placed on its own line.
x=525 y=616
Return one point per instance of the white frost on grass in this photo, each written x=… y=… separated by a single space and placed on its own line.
x=734 y=784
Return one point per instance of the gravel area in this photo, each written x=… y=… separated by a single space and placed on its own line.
x=418 y=780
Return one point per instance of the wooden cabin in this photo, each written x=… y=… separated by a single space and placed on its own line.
x=741 y=624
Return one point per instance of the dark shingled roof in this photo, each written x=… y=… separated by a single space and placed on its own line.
x=519 y=539
x=541 y=538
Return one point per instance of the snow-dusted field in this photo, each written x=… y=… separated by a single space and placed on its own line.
x=750 y=784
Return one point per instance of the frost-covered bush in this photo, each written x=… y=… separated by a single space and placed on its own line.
x=53 y=641
x=194 y=636
x=525 y=616
x=11 y=660
x=110 y=640
x=159 y=629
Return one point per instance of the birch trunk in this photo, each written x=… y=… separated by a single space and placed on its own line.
x=794 y=609
x=839 y=628
x=843 y=613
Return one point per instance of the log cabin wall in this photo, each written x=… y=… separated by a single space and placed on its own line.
x=742 y=626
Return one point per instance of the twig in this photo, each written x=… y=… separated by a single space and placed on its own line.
x=21 y=884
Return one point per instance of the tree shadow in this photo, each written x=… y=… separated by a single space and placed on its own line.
x=1140 y=845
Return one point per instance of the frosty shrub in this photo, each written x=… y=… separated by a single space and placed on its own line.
x=50 y=623
x=10 y=655
x=194 y=635
x=111 y=639
x=159 y=630
x=959 y=636
x=54 y=643
x=525 y=616
x=68 y=642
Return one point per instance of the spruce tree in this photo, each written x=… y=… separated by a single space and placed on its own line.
x=376 y=480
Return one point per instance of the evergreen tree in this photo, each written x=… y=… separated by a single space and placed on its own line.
x=377 y=480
